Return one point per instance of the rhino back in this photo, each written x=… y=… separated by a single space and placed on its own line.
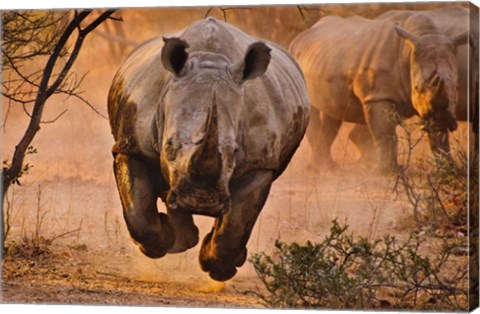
x=350 y=61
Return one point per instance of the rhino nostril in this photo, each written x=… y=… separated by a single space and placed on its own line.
x=453 y=126
x=172 y=201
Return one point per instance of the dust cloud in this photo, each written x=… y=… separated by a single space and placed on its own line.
x=72 y=181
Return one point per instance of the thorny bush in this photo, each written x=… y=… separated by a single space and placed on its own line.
x=345 y=272
x=437 y=187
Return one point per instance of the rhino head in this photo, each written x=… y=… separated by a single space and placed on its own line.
x=201 y=109
x=433 y=71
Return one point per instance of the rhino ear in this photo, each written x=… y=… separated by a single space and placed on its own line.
x=254 y=63
x=407 y=35
x=460 y=39
x=174 y=54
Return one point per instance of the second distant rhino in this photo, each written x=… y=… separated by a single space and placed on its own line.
x=371 y=72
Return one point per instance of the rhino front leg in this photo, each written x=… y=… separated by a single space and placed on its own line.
x=224 y=248
x=137 y=187
x=321 y=133
x=382 y=126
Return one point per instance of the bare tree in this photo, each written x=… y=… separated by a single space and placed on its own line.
x=46 y=37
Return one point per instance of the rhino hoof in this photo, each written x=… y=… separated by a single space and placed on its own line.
x=222 y=269
x=185 y=241
x=156 y=244
x=152 y=253
x=223 y=275
x=242 y=258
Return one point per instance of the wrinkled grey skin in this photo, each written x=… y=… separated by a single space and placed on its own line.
x=360 y=70
x=451 y=21
x=206 y=122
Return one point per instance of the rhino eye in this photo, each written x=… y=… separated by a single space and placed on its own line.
x=198 y=141
x=435 y=81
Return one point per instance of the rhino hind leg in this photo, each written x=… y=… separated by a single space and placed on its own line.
x=185 y=230
x=137 y=187
x=224 y=248
x=361 y=137
x=321 y=133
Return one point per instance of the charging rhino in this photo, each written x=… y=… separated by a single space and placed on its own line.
x=451 y=21
x=205 y=121
x=372 y=71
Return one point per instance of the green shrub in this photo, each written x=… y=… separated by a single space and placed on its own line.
x=344 y=272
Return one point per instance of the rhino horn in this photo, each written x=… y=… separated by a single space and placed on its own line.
x=461 y=39
x=407 y=35
x=206 y=162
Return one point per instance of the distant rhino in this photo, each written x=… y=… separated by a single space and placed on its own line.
x=451 y=21
x=206 y=121
x=369 y=71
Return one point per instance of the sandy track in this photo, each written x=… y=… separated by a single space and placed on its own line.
x=62 y=279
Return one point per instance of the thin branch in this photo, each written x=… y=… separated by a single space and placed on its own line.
x=224 y=11
x=26 y=111
x=118 y=19
x=6 y=115
x=86 y=102
x=105 y=15
x=208 y=12
x=64 y=235
x=21 y=101
x=17 y=70
x=73 y=56
x=54 y=119
x=119 y=39
x=301 y=8
x=437 y=196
